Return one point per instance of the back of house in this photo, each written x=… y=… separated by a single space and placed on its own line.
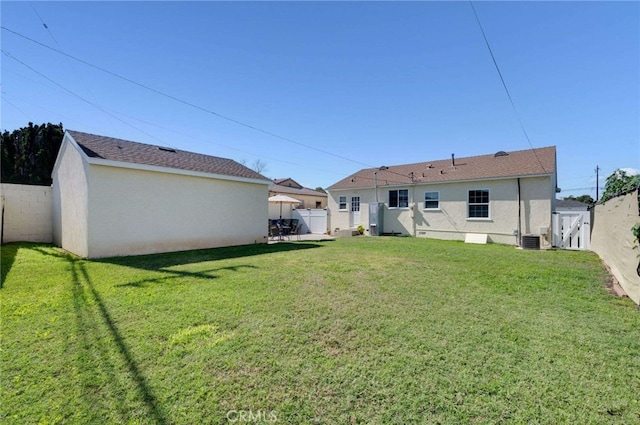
x=504 y=197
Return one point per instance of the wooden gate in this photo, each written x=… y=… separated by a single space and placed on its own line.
x=572 y=229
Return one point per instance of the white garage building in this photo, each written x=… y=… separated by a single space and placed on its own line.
x=116 y=197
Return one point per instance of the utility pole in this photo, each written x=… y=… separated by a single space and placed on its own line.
x=597 y=181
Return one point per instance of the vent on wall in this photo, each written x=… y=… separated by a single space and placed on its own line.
x=530 y=242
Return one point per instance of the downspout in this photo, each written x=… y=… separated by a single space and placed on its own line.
x=519 y=229
x=413 y=207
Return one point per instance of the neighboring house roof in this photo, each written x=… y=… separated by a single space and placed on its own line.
x=288 y=185
x=530 y=162
x=570 y=203
x=119 y=150
x=288 y=181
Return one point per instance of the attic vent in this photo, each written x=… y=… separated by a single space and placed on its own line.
x=167 y=149
x=501 y=153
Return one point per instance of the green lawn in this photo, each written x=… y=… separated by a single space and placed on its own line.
x=359 y=330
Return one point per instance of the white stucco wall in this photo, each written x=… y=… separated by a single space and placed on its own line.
x=70 y=200
x=450 y=221
x=140 y=212
x=27 y=213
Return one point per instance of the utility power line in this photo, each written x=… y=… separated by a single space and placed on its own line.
x=95 y=105
x=185 y=102
x=513 y=106
x=111 y=113
x=45 y=25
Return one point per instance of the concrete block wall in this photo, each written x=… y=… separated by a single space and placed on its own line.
x=28 y=213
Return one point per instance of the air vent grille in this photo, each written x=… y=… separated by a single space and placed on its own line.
x=530 y=242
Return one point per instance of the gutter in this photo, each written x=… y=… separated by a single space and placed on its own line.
x=421 y=183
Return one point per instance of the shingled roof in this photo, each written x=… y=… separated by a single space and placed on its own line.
x=278 y=188
x=530 y=162
x=119 y=150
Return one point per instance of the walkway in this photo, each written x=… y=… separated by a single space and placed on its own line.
x=306 y=237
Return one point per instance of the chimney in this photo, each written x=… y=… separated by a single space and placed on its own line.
x=453 y=160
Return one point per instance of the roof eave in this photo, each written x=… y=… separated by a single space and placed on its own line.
x=442 y=181
x=169 y=170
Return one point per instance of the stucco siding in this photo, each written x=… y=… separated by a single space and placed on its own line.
x=450 y=220
x=70 y=207
x=538 y=196
x=342 y=219
x=141 y=212
x=614 y=242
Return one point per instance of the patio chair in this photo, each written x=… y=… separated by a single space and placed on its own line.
x=274 y=231
x=296 y=231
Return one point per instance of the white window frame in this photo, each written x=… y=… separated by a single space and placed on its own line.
x=340 y=202
x=355 y=203
x=431 y=200
x=398 y=197
x=488 y=204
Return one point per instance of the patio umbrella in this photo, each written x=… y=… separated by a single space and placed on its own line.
x=283 y=199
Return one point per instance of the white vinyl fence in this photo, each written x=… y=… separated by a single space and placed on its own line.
x=313 y=220
x=572 y=229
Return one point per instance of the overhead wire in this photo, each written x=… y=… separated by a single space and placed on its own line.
x=185 y=102
x=222 y=145
x=4 y=99
x=504 y=84
x=95 y=105
x=42 y=107
x=111 y=113
x=44 y=25
x=144 y=86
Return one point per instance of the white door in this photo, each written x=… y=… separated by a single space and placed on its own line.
x=572 y=229
x=354 y=212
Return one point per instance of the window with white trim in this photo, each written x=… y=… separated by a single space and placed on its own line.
x=432 y=200
x=342 y=203
x=399 y=198
x=478 y=205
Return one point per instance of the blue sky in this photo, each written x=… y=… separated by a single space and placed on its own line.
x=348 y=84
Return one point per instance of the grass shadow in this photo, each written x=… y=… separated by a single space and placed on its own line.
x=7 y=257
x=92 y=316
x=172 y=274
x=161 y=262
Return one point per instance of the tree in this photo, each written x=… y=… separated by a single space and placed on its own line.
x=319 y=189
x=29 y=153
x=585 y=199
x=259 y=166
x=619 y=183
